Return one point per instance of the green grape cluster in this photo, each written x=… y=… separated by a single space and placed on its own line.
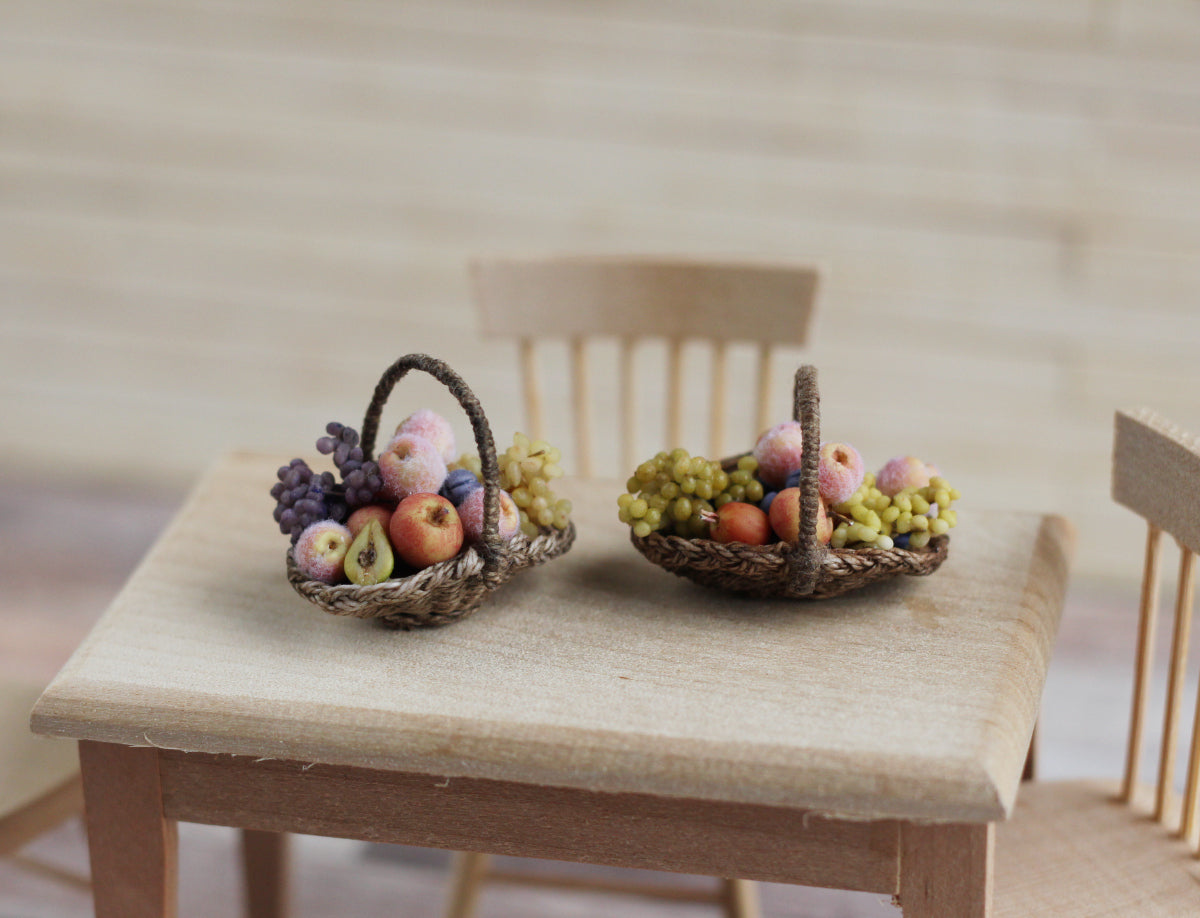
x=526 y=470
x=872 y=518
x=677 y=493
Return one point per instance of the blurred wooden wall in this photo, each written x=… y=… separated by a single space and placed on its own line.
x=221 y=219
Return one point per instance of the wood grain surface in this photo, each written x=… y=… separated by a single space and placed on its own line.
x=598 y=671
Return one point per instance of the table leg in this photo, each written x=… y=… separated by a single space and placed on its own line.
x=265 y=863
x=946 y=870
x=132 y=845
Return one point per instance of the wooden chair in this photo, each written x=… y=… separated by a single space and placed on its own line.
x=40 y=785
x=632 y=299
x=1089 y=848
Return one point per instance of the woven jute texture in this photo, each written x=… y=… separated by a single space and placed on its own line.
x=805 y=569
x=452 y=589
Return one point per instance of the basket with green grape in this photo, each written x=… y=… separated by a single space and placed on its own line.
x=414 y=537
x=789 y=521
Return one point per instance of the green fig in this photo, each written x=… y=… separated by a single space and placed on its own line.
x=370 y=559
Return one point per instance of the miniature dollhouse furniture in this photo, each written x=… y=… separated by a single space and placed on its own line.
x=631 y=299
x=1089 y=849
x=595 y=709
x=39 y=781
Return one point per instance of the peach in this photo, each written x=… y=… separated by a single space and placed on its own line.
x=359 y=518
x=902 y=472
x=740 y=522
x=434 y=428
x=785 y=517
x=425 y=529
x=778 y=452
x=471 y=511
x=321 y=550
x=411 y=465
x=840 y=473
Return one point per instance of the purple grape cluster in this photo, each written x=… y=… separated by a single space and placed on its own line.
x=302 y=498
x=360 y=476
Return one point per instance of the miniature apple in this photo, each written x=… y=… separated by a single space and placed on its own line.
x=359 y=518
x=741 y=522
x=840 y=472
x=785 y=517
x=425 y=529
x=321 y=551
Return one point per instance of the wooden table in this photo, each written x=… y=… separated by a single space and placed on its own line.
x=596 y=709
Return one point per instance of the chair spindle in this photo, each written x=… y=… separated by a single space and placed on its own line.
x=675 y=392
x=763 y=417
x=628 y=409
x=1175 y=680
x=1147 y=615
x=534 y=416
x=716 y=413
x=581 y=395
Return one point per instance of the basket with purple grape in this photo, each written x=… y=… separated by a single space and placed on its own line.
x=416 y=536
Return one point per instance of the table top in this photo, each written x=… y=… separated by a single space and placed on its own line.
x=913 y=698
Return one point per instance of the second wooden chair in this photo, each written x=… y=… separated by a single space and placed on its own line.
x=577 y=299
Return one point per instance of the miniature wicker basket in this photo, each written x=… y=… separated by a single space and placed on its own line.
x=452 y=589
x=805 y=569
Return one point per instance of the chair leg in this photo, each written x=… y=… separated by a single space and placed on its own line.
x=739 y=898
x=467 y=871
x=265 y=870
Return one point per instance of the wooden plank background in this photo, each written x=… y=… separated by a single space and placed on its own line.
x=221 y=219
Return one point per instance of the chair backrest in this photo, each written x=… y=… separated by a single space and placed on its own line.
x=627 y=298
x=1156 y=473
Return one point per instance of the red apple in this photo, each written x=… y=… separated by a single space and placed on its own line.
x=425 y=529
x=741 y=522
x=363 y=515
x=785 y=517
x=321 y=551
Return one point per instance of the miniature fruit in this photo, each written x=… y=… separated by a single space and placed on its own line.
x=902 y=472
x=321 y=550
x=840 y=472
x=785 y=517
x=458 y=484
x=740 y=522
x=359 y=518
x=433 y=427
x=425 y=529
x=471 y=512
x=360 y=475
x=370 y=559
x=778 y=452
x=411 y=465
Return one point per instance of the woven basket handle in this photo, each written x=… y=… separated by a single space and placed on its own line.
x=804 y=562
x=492 y=548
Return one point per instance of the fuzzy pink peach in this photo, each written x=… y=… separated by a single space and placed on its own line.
x=902 y=472
x=471 y=513
x=778 y=452
x=411 y=465
x=434 y=428
x=320 y=552
x=840 y=472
